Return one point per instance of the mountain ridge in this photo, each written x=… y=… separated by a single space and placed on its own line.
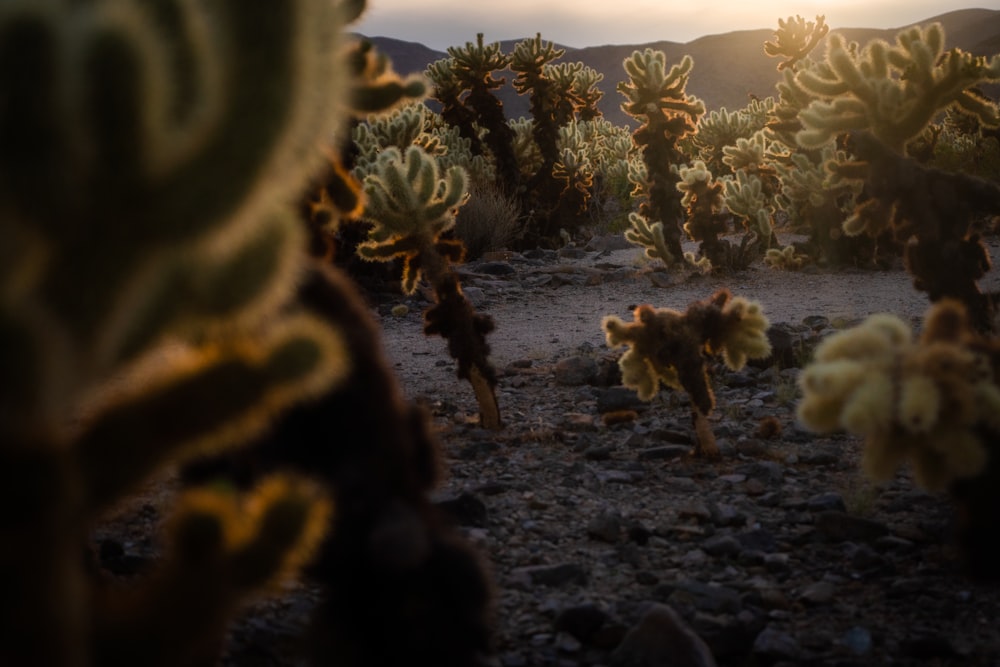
x=728 y=67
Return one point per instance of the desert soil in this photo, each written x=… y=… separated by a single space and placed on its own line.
x=779 y=553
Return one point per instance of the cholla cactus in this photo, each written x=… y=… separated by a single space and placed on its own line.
x=721 y=128
x=400 y=128
x=144 y=307
x=650 y=237
x=746 y=199
x=670 y=347
x=795 y=38
x=411 y=206
x=892 y=91
x=921 y=400
x=656 y=96
x=472 y=68
x=703 y=203
x=788 y=258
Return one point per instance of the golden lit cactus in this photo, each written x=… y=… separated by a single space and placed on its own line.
x=702 y=202
x=788 y=258
x=650 y=236
x=411 y=205
x=656 y=96
x=893 y=91
x=795 y=38
x=149 y=157
x=669 y=347
x=925 y=400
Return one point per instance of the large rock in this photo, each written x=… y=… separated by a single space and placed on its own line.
x=661 y=638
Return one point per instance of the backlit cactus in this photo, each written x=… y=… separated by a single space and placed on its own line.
x=669 y=347
x=893 y=91
x=922 y=401
x=150 y=154
x=655 y=96
x=411 y=206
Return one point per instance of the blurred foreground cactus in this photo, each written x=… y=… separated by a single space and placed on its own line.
x=932 y=401
x=673 y=348
x=148 y=156
x=157 y=306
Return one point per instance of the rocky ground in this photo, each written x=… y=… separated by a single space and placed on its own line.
x=595 y=527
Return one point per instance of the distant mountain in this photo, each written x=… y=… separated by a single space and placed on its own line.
x=727 y=67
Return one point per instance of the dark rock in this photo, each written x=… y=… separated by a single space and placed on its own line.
x=494 y=269
x=776 y=645
x=699 y=597
x=464 y=509
x=575 y=371
x=583 y=621
x=674 y=436
x=817 y=593
x=843 y=527
x=606 y=526
x=729 y=635
x=822 y=502
x=663 y=453
x=478 y=449
x=549 y=575
x=721 y=545
x=618 y=398
x=662 y=637
x=598 y=453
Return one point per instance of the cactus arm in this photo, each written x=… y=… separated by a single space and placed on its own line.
x=246 y=386
x=223 y=549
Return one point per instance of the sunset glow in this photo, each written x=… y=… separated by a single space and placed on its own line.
x=442 y=23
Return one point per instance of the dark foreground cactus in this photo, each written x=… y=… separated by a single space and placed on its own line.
x=150 y=157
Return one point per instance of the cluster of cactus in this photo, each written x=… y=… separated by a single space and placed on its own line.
x=884 y=96
x=669 y=347
x=529 y=160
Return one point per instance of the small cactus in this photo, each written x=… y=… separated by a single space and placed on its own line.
x=669 y=347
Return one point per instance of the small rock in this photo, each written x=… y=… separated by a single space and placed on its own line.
x=465 y=509
x=575 y=371
x=820 y=592
x=843 y=527
x=823 y=502
x=721 y=545
x=618 y=398
x=857 y=640
x=548 y=575
x=664 y=452
x=582 y=621
x=775 y=644
x=606 y=526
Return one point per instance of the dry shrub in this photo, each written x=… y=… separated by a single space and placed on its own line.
x=489 y=221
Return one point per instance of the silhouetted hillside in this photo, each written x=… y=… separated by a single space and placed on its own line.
x=727 y=67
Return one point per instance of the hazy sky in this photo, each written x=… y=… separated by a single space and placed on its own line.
x=443 y=23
